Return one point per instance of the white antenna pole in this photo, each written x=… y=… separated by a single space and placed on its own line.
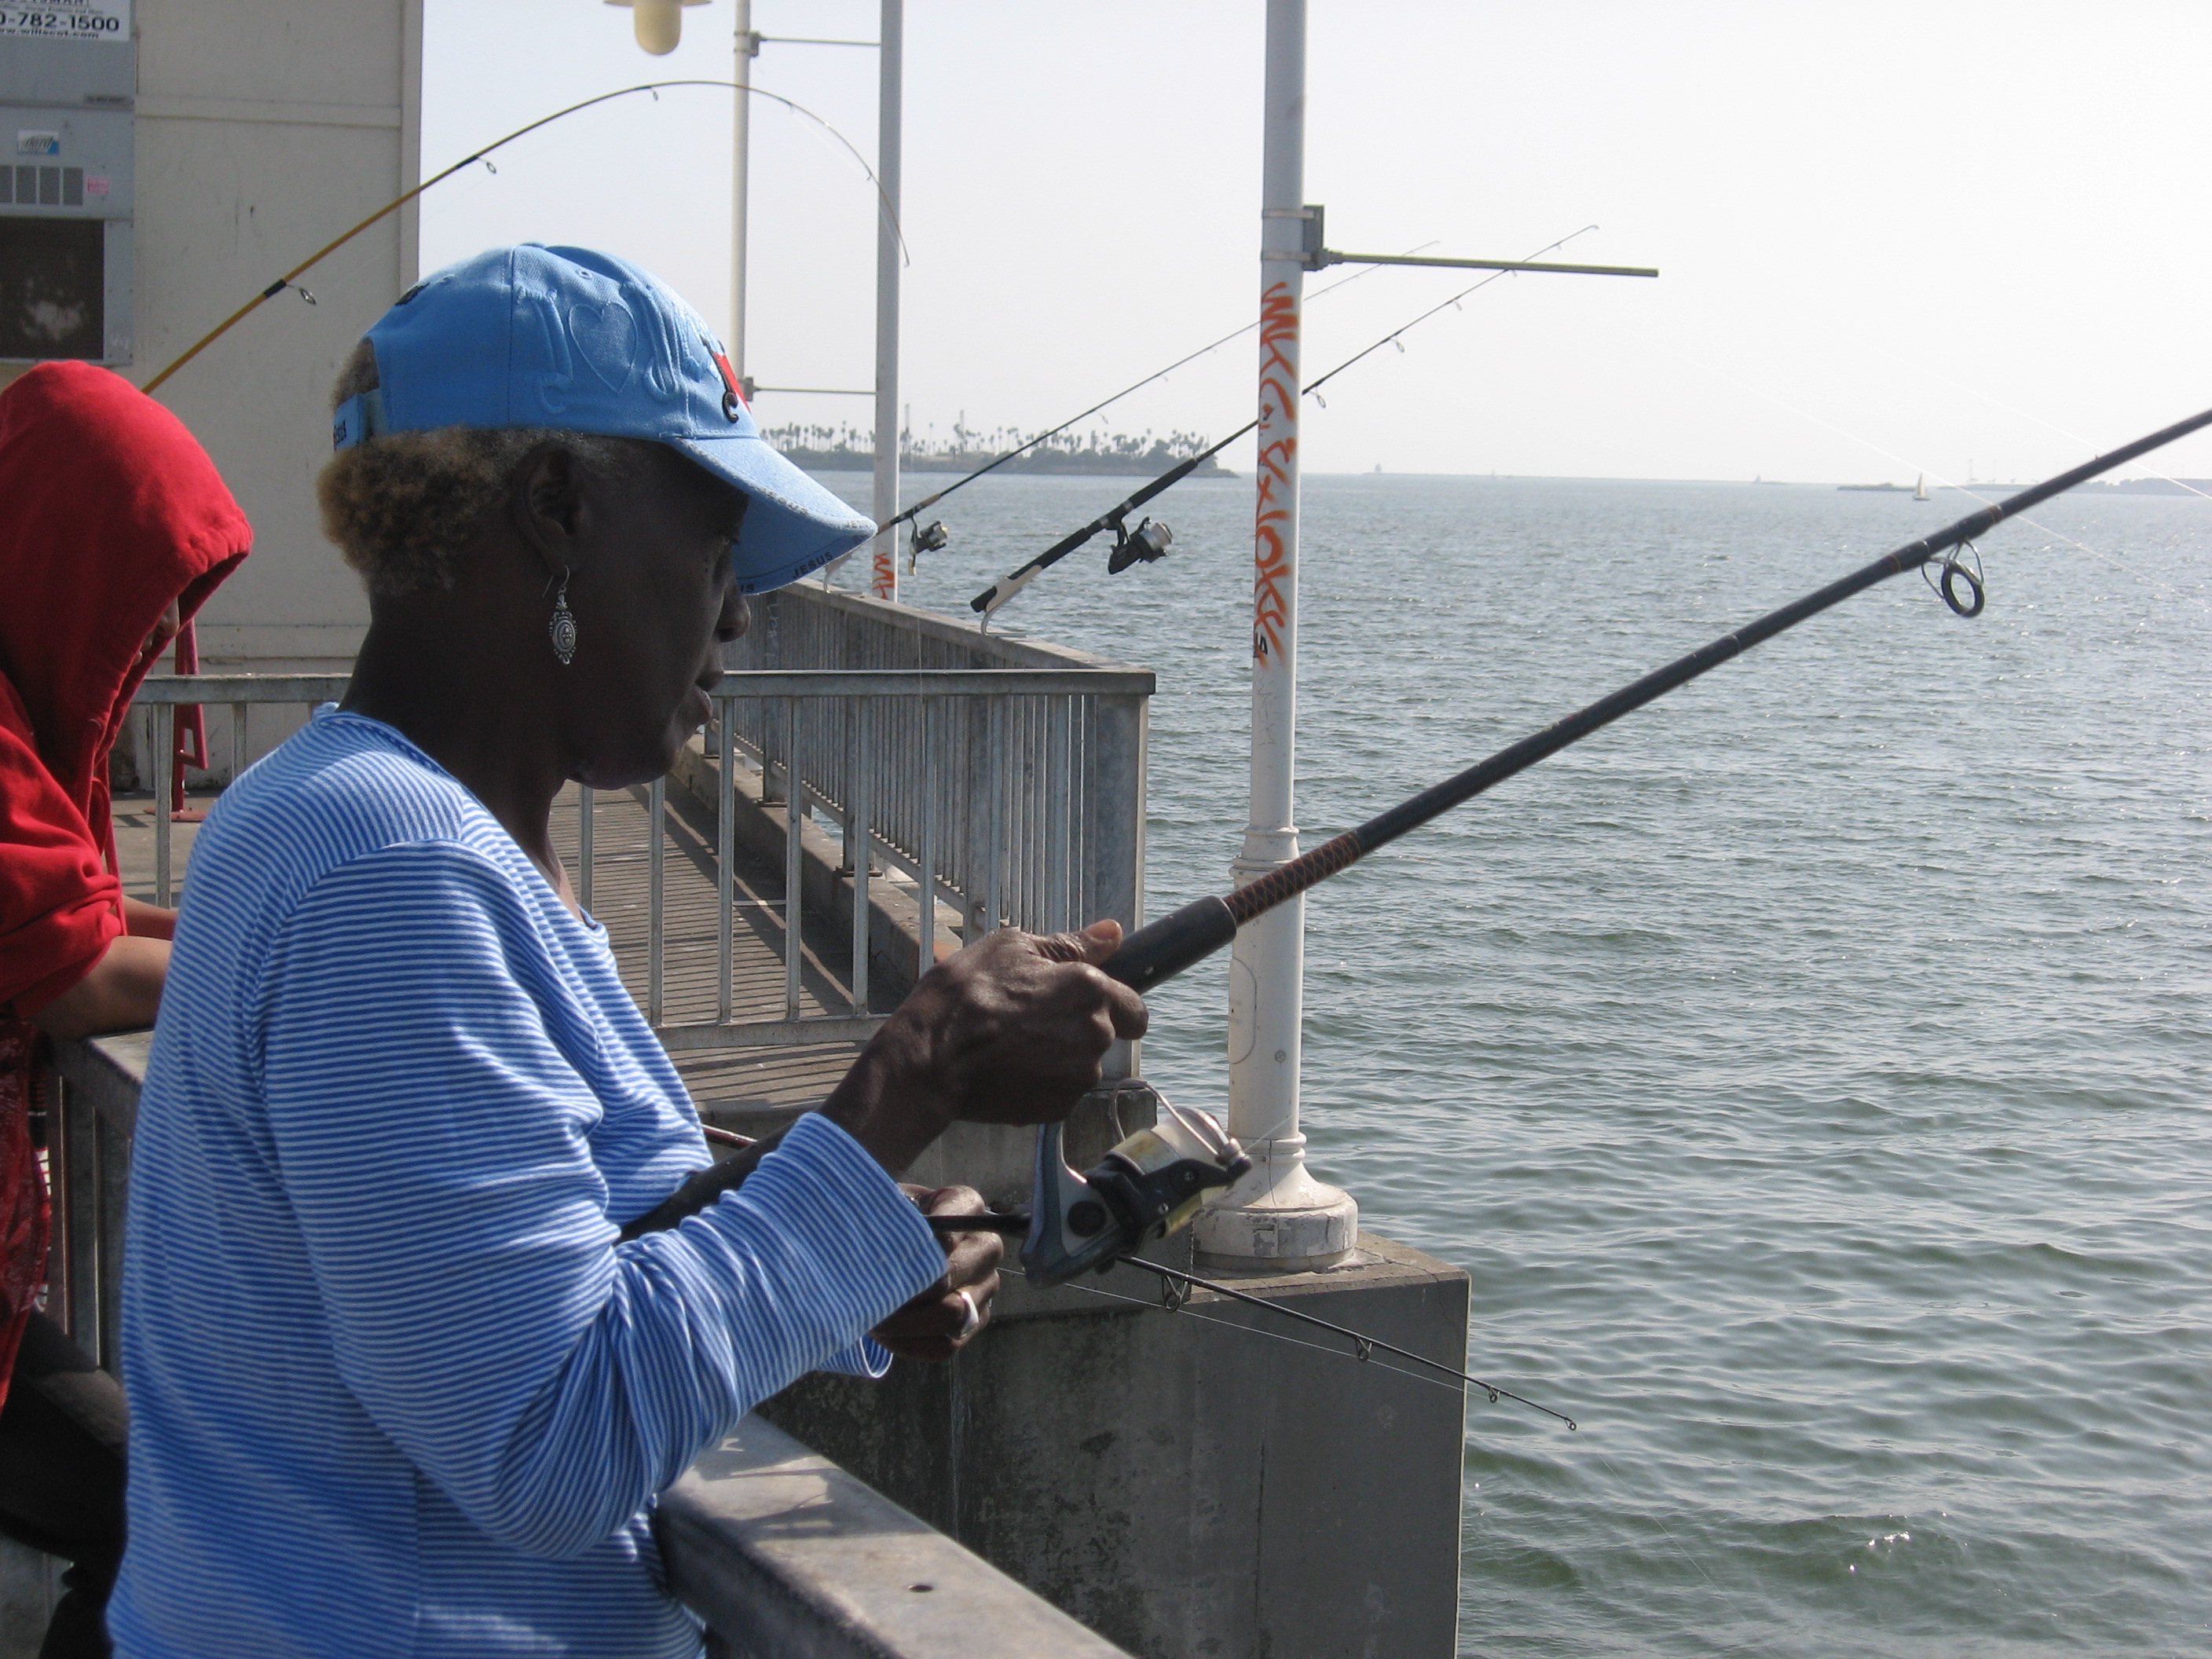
x=1279 y=1215
x=748 y=48
x=891 y=65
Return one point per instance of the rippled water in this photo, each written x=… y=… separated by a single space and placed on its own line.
x=1810 y=1071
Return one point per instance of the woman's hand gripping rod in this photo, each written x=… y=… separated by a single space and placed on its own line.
x=1187 y=937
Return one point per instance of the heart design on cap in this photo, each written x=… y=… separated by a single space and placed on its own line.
x=606 y=339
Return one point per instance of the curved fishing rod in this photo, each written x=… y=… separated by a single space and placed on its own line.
x=1027 y=444
x=291 y=278
x=1189 y=935
x=1130 y=547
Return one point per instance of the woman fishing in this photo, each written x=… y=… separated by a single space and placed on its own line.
x=115 y=528
x=399 y=1383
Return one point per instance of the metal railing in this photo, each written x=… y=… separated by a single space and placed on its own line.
x=990 y=796
x=1008 y=796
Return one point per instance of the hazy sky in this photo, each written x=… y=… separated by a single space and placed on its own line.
x=1894 y=237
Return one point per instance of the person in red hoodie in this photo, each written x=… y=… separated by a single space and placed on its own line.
x=115 y=528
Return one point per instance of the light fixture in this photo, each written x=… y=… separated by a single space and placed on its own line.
x=659 y=23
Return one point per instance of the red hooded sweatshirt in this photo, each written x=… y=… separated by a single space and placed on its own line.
x=109 y=509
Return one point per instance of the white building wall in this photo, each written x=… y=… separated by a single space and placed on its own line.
x=264 y=131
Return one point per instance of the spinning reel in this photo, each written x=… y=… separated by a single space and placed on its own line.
x=1149 y=1186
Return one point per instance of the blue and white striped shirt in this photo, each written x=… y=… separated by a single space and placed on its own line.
x=395 y=1388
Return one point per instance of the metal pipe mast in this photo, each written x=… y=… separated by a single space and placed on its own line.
x=890 y=68
x=1279 y=1215
x=747 y=49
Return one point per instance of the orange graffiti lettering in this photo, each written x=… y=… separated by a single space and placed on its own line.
x=1279 y=448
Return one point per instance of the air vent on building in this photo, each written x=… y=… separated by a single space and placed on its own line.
x=42 y=186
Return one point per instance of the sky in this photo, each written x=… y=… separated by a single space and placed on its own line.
x=1954 y=237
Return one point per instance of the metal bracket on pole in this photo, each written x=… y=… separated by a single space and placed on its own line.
x=1319 y=257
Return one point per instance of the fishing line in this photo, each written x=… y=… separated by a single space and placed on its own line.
x=929 y=501
x=1128 y=547
x=2025 y=414
x=1338 y=1353
x=1664 y=1527
x=1779 y=402
x=1367 y=1344
x=289 y=279
x=1283 y=1336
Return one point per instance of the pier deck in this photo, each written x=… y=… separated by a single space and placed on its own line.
x=742 y=1089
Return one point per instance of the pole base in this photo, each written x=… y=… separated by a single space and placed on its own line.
x=1294 y=1225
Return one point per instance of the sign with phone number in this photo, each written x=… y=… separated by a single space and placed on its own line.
x=68 y=20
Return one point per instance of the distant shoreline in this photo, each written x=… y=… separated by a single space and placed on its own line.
x=1078 y=464
x=846 y=463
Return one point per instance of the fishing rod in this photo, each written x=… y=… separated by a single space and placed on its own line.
x=291 y=278
x=1179 y=1180
x=1027 y=444
x=1189 y=935
x=1367 y=1345
x=1150 y=541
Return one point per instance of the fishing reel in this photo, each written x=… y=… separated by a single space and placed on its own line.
x=1149 y=1186
x=923 y=541
x=1147 y=542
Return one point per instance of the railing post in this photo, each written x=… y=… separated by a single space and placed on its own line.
x=81 y=1317
x=925 y=847
x=1115 y=845
x=655 y=942
x=165 y=754
x=1059 y=904
x=794 y=890
x=725 y=831
x=994 y=817
x=584 y=846
x=857 y=849
x=114 y=1199
x=61 y=1159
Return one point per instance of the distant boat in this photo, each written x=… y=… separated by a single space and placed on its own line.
x=1920 y=489
x=1880 y=489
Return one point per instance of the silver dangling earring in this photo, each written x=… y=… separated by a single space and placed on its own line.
x=562 y=627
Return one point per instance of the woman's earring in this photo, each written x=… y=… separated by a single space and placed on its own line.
x=563 y=628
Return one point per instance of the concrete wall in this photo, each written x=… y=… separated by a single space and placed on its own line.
x=1185 y=1484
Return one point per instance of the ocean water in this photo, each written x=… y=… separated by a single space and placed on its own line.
x=1812 y=1071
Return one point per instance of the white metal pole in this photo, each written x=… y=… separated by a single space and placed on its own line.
x=891 y=65
x=748 y=48
x=1280 y=1215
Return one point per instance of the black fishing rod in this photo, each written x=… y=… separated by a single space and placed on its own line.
x=1189 y=936
x=291 y=278
x=1150 y=541
x=711 y=1183
x=1023 y=448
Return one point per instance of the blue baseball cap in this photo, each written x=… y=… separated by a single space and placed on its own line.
x=580 y=341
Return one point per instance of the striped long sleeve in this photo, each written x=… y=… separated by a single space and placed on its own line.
x=397 y=1387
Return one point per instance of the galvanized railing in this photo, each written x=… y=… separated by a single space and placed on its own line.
x=1008 y=796
x=1004 y=796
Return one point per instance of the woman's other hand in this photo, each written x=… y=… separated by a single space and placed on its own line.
x=945 y=1318
x=1011 y=1030
x=122 y=992
x=144 y=920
